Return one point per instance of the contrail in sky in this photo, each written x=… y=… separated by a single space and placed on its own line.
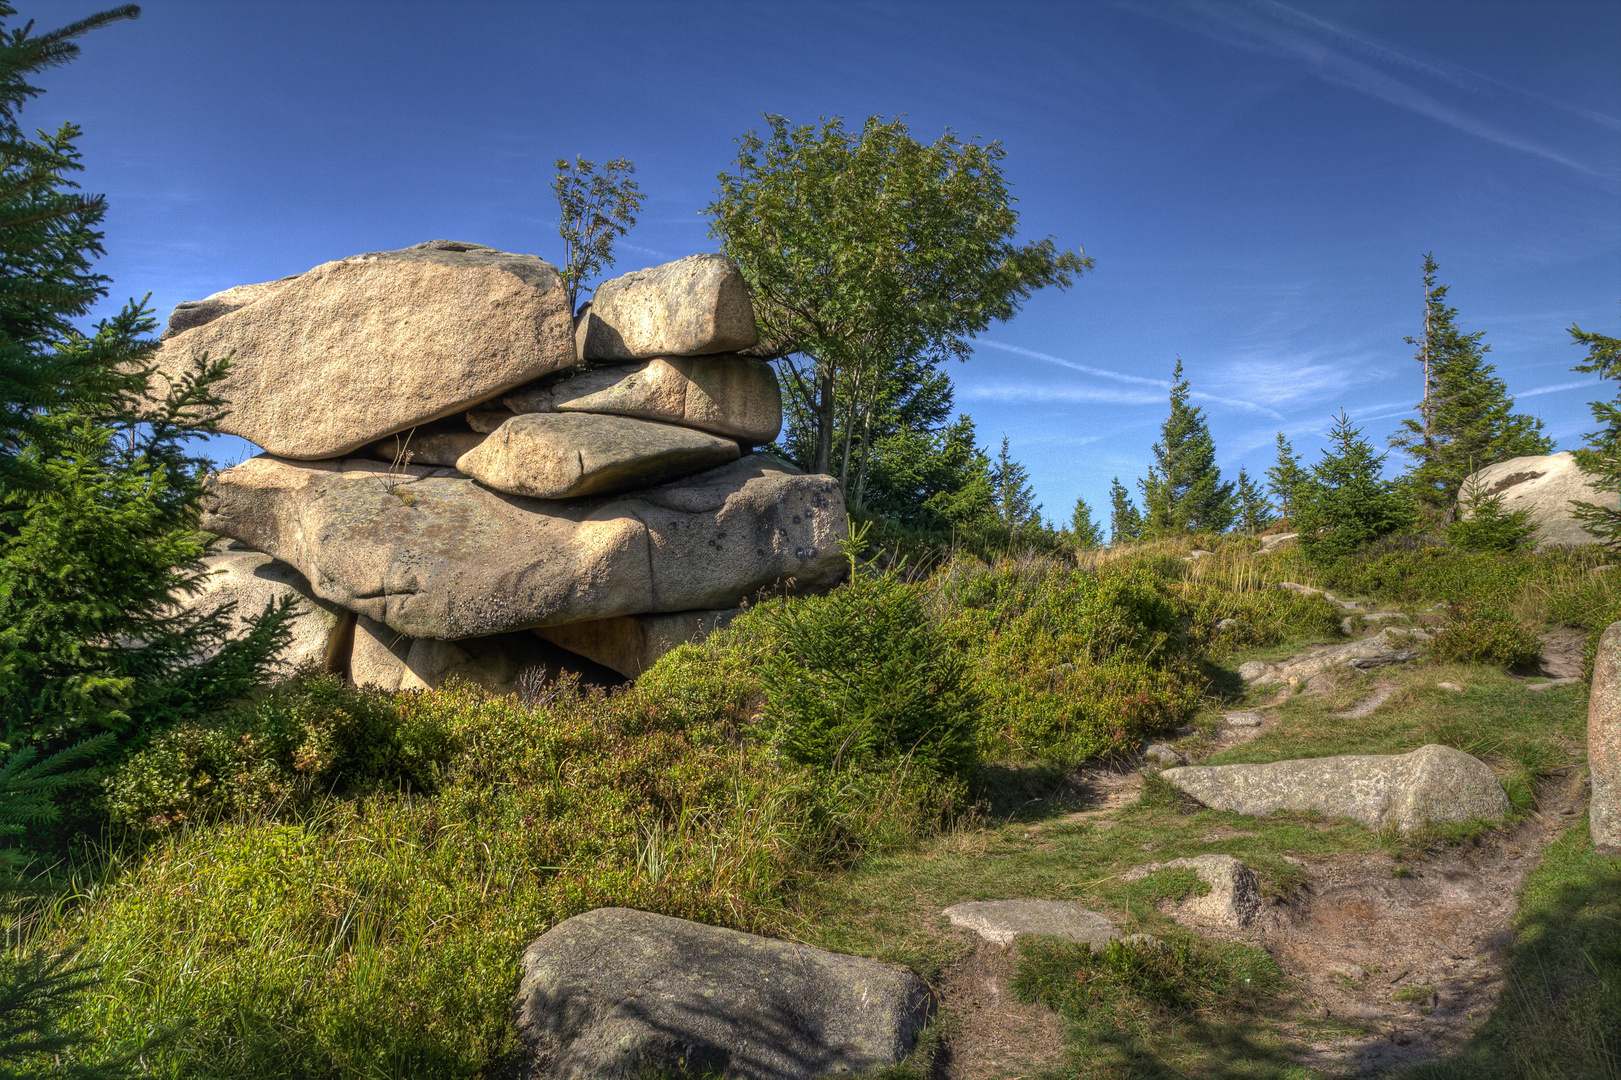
x=1140 y=380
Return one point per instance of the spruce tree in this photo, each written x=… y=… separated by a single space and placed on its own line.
x=1183 y=491
x=1600 y=459
x=1465 y=420
x=1125 y=522
x=1284 y=480
x=98 y=484
x=1344 y=505
x=1016 y=504
x=1254 y=514
x=1083 y=528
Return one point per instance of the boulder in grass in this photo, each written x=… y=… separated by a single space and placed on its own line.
x=728 y=395
x=500 y=663
x=1544 y=485
x=1234 y=899
x=616 y=994
x=1604 y=743
x=254 y=581
x=432 y=554
x=327 y=361
x=567 y=455
x=1429 y=786
x=633 y=643
x=691 y=307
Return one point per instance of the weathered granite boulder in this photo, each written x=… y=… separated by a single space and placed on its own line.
x=499 y=663
x=1604 y=743
x=1545 y=485
x=633 y=643
x=691 y=307
x=332 y=359
x=1430 y=785
x=1389 y=646
x=728 y=394
x=1234 y=899
x=432 y=554
x=1001 y=921
x=615 y=993
x=254 y=581
x=440 y=443
x=567 y=455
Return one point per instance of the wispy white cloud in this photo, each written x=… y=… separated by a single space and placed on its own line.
x=1274 y=28
x=1102 y=373
x=1454 y=74
x=1037 y=394
x=1556 y=388
x=1119 y=376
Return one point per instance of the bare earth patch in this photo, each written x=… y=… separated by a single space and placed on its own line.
x=994 y=1035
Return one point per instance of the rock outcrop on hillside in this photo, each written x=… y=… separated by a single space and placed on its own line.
x=460 y=479
x=1545 y=485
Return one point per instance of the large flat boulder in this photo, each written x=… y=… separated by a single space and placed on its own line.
x=1431 y=785
x=433 y=554
x=691 y=307
x=568 y=455
x=353 y=350
x=615 y=993
x=728 y=394
x=633 y=643
x=1604 y=743
x=1544 y=485
x=253 y=581
x=500 y=663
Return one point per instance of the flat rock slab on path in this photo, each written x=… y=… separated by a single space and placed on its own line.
x=616 y=993
x=1432 y=784
x=1001 y=921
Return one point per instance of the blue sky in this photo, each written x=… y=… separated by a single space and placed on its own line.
x=1257 y=181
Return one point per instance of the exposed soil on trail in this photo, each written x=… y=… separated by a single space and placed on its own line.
x=991 y=1033
x=1405 y=958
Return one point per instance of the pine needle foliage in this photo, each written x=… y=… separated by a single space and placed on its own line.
x=36 y=992
x=1345 y=505
x=98 y=481
x=1183 y=491
x=1466 y=420
x=1600 y=459
x=1125 y=520
x=1284 y=480
x=1083 y=528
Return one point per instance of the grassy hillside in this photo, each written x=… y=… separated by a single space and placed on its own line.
x=259 y=888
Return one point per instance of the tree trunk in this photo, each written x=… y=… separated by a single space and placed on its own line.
x=822 y=460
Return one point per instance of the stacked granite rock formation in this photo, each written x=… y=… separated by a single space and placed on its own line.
x=460 y=477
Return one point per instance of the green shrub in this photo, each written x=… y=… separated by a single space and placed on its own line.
x=1478 y=634
x=1483 y=524
x=1069 y=664
x=862 y=677
x=313 y=734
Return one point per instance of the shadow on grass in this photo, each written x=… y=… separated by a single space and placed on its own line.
x=1033 y=792
x=1226 y=686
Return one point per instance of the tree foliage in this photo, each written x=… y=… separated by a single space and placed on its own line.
x=1600 y=459
x=872 y=259
x=1253 y=513
x=593 y=210
x=1125 y=521
x=98 y=487
x=1183 y=491
x=1344 y=505
x=1083 y=528
x=1284 y=480
x=1465 y=420
x=1016 y=504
